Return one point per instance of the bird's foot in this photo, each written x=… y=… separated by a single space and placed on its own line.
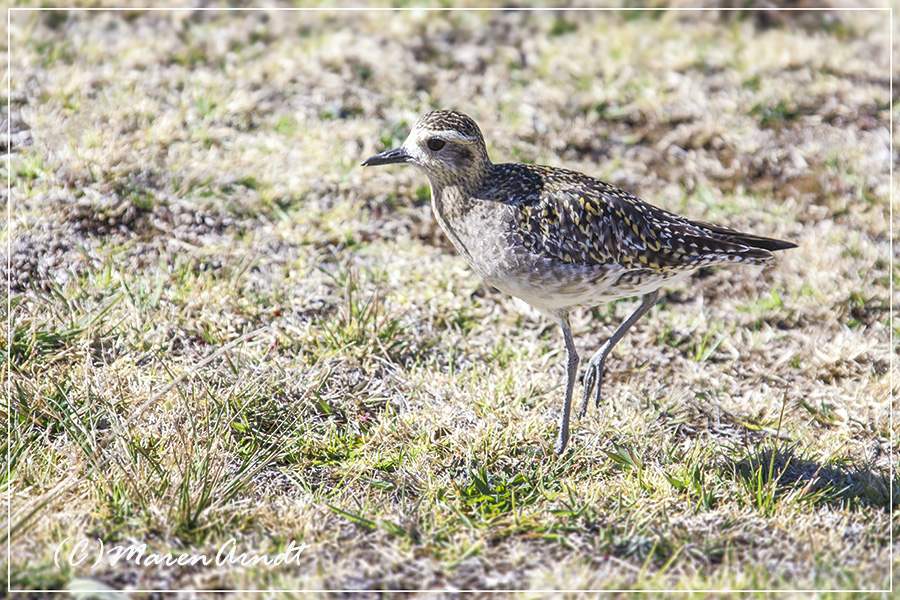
x=593 y=378
x=560 y=446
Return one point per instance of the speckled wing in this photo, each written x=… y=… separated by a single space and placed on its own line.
x=577 y=219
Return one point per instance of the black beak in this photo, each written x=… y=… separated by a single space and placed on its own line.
x=397 y=155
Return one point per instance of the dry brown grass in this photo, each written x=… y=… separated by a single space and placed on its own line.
x=222 y=327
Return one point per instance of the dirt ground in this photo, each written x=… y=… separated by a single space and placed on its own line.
x=219 y=326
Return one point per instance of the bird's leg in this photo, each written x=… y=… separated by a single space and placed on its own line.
x=571 y=376
x=594 y=375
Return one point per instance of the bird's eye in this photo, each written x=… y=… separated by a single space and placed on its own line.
x=435 y=144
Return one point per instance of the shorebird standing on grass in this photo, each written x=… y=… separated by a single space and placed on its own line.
x=558 y=239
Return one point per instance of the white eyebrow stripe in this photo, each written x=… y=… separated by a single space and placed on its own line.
x=448 y=135
x=451 y=135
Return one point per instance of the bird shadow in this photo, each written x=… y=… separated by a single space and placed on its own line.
x=771 y=466
x=782 y=472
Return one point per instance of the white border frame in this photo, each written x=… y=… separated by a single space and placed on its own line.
x=9 y=222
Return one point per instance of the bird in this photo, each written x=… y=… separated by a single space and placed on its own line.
x=560 y=239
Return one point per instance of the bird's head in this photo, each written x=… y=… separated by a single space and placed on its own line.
x=447 y=145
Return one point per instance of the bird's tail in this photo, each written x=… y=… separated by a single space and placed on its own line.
x=744 y=247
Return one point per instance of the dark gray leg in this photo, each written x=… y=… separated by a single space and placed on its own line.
x=571 y=376
x=594 y=375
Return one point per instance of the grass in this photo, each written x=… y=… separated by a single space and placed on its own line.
x=220 y=327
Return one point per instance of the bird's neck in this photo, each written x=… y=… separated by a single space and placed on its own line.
x=462 y=184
